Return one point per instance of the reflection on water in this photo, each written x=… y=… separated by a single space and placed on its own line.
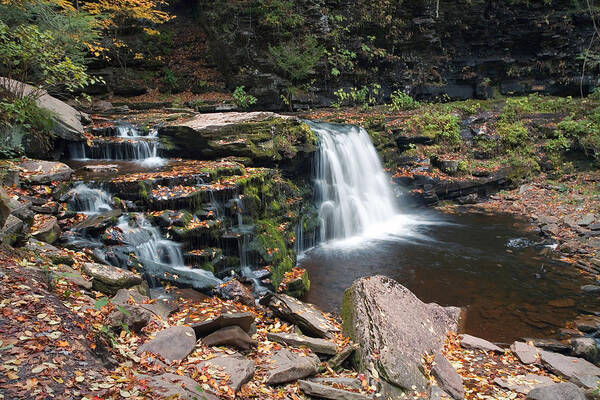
x=488 y=264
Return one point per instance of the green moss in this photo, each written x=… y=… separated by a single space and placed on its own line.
x=270 y=243
x=144 y=190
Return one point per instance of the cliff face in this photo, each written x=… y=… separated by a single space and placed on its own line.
x=461 y=49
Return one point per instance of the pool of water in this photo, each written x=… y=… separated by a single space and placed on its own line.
x=489 y=264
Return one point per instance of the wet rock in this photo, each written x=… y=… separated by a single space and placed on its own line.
x=557 y=391
x=108 y=279
x=526 y=353
x=590 y=289
x=585 y=348
x=549 y=344
x=132 y=316
x=243 y=320
x=287 y=366
x=174 y=386
x=173 y=344
x=48 y=231
x=321 y=391
x=98 y=223
x=394 y=329
x=105 y=168
x=232 y=336
x=475 y=343
x=306 y=316
x=319 y=346
x=566 y=366
x=523 y=383
x=447 y=378
x=587 y=323
x=236 y=291
x=236 y=367
x=42 y=172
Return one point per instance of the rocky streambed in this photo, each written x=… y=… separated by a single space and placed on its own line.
x=103 y=255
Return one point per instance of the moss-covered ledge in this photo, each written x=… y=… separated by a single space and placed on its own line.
x=261 y=138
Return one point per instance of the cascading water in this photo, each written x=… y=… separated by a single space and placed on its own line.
x=353 y=190
x=88 y=200
x=130 y=145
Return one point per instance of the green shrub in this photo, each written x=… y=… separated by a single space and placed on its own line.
x=297 y=59
x=243 y=99
x=365 y=96
x=402 y=101
x=442 y=127
x=512 y=134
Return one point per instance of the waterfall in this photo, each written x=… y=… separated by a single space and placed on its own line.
x=89 y=200
x=353 y=190
x=128 y=144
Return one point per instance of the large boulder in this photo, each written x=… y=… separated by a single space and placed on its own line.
x=447 y=378
x=558 y=391
x=567 y=367
x=234 y=369
x=232 y=336
x=45 y=229
x=172 y=386
x=108 y=279
x=67 y=119
x=394 y=329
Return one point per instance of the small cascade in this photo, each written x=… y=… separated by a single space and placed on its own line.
x=88 y=200
x=128 y=144
x=353 y=190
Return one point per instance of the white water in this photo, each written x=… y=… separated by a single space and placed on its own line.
x=353 y=191
x=89 y=200
x=136 y=146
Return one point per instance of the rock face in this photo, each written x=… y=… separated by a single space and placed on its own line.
x=236 y=291
x=558 y=391
x=67 y=119
x=108 y=279
x=447 y=377
x=308 y=318
x=566 y=366
x=173 y=344
x=238 y=369
x=394 y=329
x=42 y=172
x=288 y=366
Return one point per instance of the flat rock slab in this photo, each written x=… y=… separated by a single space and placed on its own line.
x=447 y=378
x=98 y=223
x=558 y=391
x=566 y=366
x=108 y=279
x=287 y=366
x=42 y=172
x=339 y=382
x=523 y=383
x=526 y=353
x=236 y=369
x=243 y=320
x=586 y=381
x=319 y=390
x=306 y=316
x=213 y=121
x=102 y=168
x=393 y=329
x=231 y=336
x=320 y=346
x=173 y=344
x=174 y=386
x=47 y=231
x=475 y=343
